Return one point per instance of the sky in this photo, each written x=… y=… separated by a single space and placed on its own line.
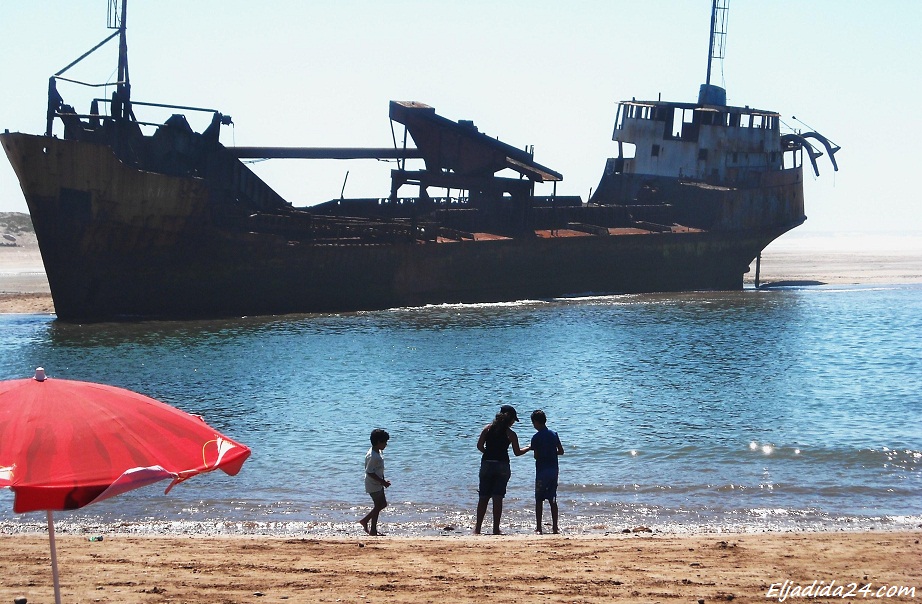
x=548 y=74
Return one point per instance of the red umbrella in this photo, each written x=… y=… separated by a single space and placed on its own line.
x=66 y=444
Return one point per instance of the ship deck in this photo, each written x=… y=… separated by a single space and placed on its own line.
x=560 y=233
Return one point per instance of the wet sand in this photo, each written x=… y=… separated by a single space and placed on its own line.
x=23 y=285
x=626 y=568
x=799 y=265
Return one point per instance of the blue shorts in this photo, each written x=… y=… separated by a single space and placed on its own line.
x=546 y=485
x=494 y=476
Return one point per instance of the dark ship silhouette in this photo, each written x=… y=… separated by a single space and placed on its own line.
x=174 y=225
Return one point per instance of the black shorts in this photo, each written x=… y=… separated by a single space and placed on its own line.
x=546 y=485
x=494 y=476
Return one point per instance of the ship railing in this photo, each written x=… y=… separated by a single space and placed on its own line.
x=102 y=117
x=331 y=229
x=136 y=103
x=57 y=108
x=596 y=215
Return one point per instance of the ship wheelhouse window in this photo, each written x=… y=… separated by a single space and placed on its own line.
x=713 y=118
x=640 y=112
x=677 y=121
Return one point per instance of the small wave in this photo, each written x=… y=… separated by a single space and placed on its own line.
x=575 y=519
x=466 y=306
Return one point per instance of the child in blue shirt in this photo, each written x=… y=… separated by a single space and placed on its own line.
x=546 y=446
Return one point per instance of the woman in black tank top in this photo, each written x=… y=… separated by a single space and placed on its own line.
x=494 y=443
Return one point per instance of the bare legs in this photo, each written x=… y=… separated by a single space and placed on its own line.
x=497 y=514
x=482 y=512
x=539 y=509
x=370 y=521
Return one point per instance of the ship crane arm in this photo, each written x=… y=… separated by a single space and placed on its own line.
x=830 y=147
x=792 y=141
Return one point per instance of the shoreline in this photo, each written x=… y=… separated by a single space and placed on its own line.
x=453 y=526
x=549 y=568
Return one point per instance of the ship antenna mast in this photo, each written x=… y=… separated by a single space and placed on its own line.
x=118 y=19
x=718 y=42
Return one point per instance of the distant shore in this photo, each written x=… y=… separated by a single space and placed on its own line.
x=792 y=260
x=841 y=259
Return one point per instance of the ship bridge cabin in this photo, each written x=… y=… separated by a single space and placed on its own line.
x=716 y=144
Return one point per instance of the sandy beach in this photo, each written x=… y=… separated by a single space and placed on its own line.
x=626 y=568
x=23 y=285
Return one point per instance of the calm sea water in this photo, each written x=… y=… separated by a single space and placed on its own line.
x=795 y=408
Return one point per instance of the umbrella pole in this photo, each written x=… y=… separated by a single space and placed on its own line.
x=54 y=560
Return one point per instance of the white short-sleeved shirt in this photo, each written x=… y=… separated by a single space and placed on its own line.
x=374 y=464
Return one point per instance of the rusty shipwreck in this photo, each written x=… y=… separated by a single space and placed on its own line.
x=172 y=224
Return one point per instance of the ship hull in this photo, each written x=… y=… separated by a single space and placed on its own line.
x=118 y=242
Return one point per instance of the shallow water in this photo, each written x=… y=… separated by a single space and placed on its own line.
x=792 y=408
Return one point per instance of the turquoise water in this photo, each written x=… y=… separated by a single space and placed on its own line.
x=793 y=408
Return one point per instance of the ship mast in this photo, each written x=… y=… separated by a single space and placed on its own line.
x=715 y=95
x=118 y=19
x=121 y=98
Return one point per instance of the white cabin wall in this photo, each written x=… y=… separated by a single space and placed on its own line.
x=727 y=147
